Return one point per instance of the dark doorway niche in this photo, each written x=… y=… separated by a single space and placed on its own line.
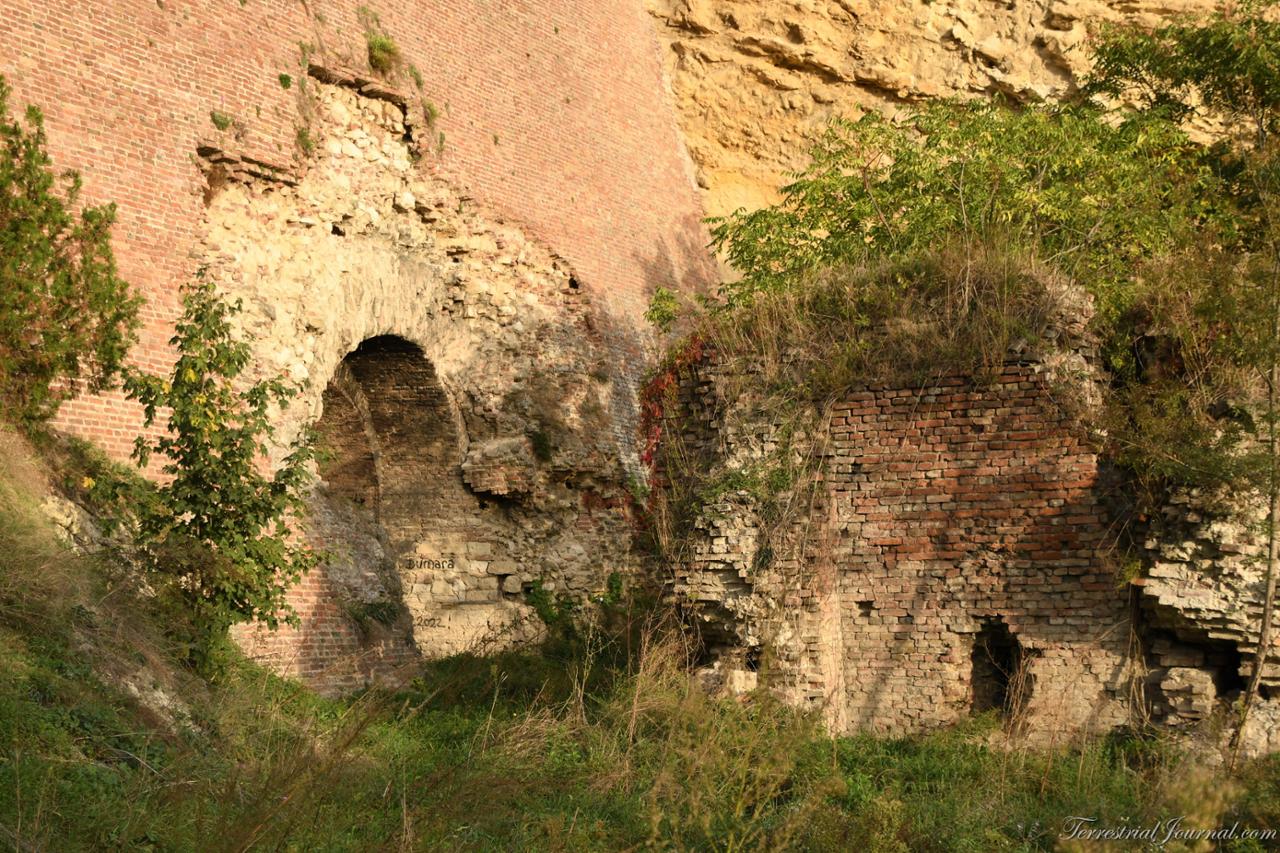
x=1000 y=680
x=1228 y=667
x=390 y=498
x=393 y=442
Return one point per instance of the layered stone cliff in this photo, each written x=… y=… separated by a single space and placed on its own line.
x=755 y=81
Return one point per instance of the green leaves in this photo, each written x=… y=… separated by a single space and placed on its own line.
x=1196 y=407
x=663 y=310
x=66 y=318
x=1089 y=196
x=1229 y=66
x=219 y=528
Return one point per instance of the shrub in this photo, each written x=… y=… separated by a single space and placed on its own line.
x=957 y=309
x=66 y=318
x=221 y=120
x=663 y=310
x=218 y=527
x=1092 y=197
x=384 y=53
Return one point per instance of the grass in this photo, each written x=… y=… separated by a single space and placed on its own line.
x=597 y=741
x=306 y=143
x=222 y=121
x=383 y=52
x=956 y=310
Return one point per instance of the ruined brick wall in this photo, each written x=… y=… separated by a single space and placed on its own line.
x=502 y=204
x=554 y=114
x=946 y=518
x=457 y=377
x=960 y=507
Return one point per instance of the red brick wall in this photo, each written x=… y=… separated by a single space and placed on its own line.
x=941 y=511
x=555 y=114
x=327 y=650
x=958 y=504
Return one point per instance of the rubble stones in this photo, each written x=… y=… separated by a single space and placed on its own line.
x=455 y=514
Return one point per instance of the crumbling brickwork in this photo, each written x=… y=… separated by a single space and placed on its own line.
x=553 y=114
x=458 y=382
x=502 y=204
x=947 y=562
x=959 y=507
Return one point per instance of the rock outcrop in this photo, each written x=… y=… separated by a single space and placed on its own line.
x=755 y=81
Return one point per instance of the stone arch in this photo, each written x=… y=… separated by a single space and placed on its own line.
x=397 y=519
x=395 y=443
x=349 y=466
x=456 y=373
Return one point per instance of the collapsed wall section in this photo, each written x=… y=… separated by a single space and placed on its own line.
x=1201 y=608
x=458 y=382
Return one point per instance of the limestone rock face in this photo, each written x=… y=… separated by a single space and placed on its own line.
x=755 y=81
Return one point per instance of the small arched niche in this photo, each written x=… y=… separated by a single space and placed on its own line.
x=392 y=448
x=392 y=511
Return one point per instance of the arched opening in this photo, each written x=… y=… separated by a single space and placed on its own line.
x=403 y=454
x=404 y=535
x=392 y=454
x=1000 y=680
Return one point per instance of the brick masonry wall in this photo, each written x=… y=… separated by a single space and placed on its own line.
x=555 y=114
x=941 y=511
x=958 y=506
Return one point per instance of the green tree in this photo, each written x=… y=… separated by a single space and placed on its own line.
x=66 y=318
x=1091 y=197
x=219 y=526
x=1229 y=68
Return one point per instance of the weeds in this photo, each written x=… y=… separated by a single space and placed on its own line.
x=306 y=144
x=222 y=121
x=597 y=751
x=383 y=52
x=598 y=741
x=956 y=310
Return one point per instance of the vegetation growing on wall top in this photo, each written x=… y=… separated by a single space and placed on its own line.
x=381 y=49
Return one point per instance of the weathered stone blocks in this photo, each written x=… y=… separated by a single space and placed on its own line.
x=436 y=340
